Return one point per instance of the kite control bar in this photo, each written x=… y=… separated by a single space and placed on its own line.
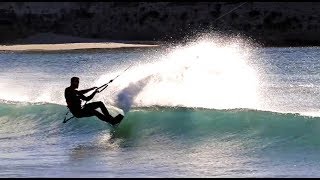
x=106 y=85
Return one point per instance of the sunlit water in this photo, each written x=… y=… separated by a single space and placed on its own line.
x=207 y=108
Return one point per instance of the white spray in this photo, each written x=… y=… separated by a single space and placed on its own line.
x=204 y=73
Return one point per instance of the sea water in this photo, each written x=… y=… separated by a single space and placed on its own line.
x=206 y=108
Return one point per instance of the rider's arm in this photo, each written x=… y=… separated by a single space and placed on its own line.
x=86 y=98
x=86 y=90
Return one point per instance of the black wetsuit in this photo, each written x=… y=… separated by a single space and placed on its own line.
x=73 y=99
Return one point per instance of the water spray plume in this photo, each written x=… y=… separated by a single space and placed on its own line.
x=207 y=73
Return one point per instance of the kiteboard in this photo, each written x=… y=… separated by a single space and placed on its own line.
x=117 y=120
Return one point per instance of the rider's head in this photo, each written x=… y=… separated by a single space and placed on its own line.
x=75 y=82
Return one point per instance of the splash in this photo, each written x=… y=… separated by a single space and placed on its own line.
x=207 y=72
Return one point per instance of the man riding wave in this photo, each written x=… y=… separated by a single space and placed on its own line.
x=73 y=98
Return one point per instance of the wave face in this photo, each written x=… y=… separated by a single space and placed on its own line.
x=140 y=123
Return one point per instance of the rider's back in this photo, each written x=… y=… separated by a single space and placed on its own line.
x=72 y=99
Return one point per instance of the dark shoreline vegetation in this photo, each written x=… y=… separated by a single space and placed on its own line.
x=270 y=24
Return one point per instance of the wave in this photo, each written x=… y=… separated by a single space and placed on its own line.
x=18 y=120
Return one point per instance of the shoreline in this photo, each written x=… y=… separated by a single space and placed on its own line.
x=49 y=42
x=71 y=46
x=49 y=47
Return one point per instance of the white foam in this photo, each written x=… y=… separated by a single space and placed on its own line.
x=204 y=73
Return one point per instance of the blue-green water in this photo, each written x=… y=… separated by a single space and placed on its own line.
x=198 y=110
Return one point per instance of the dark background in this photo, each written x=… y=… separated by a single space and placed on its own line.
x=269 y=23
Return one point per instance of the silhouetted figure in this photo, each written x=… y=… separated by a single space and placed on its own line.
x=73 y=99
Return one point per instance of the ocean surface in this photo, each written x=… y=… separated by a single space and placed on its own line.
x=205 y=108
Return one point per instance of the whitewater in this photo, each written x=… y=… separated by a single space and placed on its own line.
x=208 y=107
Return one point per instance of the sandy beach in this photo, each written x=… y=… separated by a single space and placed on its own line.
x=69 y=46
x=55 y=42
